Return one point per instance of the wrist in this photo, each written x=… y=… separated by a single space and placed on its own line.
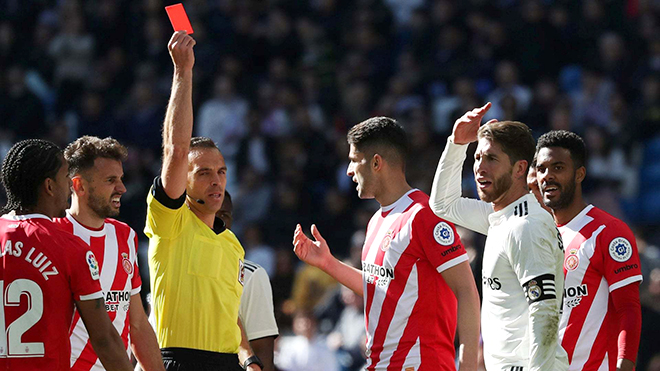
x=253 y=363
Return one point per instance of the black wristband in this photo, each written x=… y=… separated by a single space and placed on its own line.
x=252 y=360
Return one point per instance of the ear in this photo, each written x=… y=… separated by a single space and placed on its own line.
x=377 y=162
x=580 y=174
x=49 y=186
x=520 y=169
x=78 y=185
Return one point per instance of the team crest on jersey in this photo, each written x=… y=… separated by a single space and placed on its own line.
x=572 y=261
x=443 y=234
x=93 y=265
x=241 y=272
x=533 y=290
x=387 y=241
x=128 y=267
x=620 y=249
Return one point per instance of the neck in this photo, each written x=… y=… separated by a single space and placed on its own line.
x=84 y=215
x=35 y=210
x=206 y=218
x=392 y=190
x=565 y=215
x=516 y=191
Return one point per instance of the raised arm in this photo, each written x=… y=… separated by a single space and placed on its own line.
x=317 y=253
x=104 y=337
x=177 y=127
x=445 y=199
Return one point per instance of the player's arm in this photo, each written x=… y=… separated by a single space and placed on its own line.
x=264 y=349
x=258 y=316
x=317 y=253
x=445 y=199
x=143 y=339
x=104 y=337
x=245 y=351
x=177 y=127
x=459 y=279
x=629 y=315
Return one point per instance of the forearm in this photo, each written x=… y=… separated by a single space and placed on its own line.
x=629 y=314
x=344 y=274
x=543 y=334
x=445 y=199
x=264 y=349
x=110 y=350
x=468 y=328
x=145 y=347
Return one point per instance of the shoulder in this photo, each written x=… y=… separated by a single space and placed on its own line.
x=119 y=225
x=62 y=221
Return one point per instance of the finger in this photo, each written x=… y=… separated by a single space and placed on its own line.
x=491 y=121
x=317 y=234
x=485 y=107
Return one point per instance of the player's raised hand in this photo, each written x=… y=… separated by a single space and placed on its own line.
x=466 y=127
x=181 y=50
x=315 y=253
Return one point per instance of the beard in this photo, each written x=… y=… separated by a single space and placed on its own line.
x=566 y=195
x=500 y=185
x=101 y=206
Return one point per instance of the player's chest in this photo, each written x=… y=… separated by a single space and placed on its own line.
x=382 y=251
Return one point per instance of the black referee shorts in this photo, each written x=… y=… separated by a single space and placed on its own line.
x=184 y=359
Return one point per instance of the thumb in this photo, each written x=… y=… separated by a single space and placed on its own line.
x=491 y=121
x=317 y=234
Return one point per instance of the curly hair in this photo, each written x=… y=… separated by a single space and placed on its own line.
x=82 y=153
x=27 y=164
x=568 y=140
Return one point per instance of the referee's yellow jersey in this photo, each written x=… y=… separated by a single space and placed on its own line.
x=196 y=277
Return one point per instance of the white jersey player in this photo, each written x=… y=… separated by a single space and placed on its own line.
x=522 y=262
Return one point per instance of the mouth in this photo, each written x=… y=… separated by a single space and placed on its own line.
x=550 y=190
x=116 y=201
x=484 y=184
x=215 y=195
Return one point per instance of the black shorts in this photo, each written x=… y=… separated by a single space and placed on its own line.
x=184 y=359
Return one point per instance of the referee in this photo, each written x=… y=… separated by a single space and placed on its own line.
x=195 y=263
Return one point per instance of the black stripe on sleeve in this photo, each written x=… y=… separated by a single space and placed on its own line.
x=540 y=288
x=159 y=194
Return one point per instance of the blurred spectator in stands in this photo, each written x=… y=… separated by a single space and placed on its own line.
x=22 y=112
x=305 y=351
x=258 y=250
x=347 y=338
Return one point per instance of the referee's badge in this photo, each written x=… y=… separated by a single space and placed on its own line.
x=241 y=272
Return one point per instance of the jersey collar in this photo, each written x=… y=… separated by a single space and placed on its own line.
x=25 y=217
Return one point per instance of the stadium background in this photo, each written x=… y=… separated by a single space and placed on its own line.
x=279 y=82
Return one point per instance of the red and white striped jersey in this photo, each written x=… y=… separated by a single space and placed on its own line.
x=115 y=248
x=600 y=255
x=410 y=311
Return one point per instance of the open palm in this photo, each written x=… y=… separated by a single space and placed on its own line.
x=315 y=253
x=466 y=127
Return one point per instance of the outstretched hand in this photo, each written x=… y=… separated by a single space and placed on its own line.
x=181 y=50
x=315 y=253
x=466 y=127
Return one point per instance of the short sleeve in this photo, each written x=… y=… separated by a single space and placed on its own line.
x=164 y=215
x=618 y=249
x=85 y=272
x=439 y=241
x=256 y=309
x=136 y=280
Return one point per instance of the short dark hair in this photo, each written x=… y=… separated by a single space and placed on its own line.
x=514 y=137
x=568 y=140
x=82 y=152
x=202 y=142
x=27 y=164
x=380 y=134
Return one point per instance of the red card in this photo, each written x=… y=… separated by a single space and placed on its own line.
x=179 y=18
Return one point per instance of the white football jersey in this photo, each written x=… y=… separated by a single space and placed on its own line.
x=522 y=275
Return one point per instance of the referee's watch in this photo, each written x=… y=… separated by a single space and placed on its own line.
x=252 y=360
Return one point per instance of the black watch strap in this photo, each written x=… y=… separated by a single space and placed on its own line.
x=252 y=360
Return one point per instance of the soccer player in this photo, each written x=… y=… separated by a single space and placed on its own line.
x=601 y=321
x=45 y=270
x=522 y=276
x=415 y=277
x=256 y=311
x=95 y=168
x=195 y=263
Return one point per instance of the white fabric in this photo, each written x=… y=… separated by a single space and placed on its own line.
x=256 y=311
x=520 y=246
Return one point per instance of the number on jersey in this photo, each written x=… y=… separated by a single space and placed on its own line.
x=11 y=344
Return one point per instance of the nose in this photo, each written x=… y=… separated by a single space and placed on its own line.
x=121 y=188
x=479 y=167
x=349 y=170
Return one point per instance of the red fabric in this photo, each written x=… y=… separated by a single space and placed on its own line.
x=629 y=314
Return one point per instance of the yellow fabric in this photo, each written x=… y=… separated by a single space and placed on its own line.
x=195 y=282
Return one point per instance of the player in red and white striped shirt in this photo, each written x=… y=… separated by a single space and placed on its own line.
x=95 y=166
x=601 y=321
x=415 y=276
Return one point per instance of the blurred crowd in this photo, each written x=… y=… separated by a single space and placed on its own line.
x=279 y=82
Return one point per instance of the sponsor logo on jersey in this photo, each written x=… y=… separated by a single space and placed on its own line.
x=573 y=295
x=93 y=265
x=115 y=299
x=450 y=250
x=387 y=241
x=620 y=249
x=443 y=234
x=492 y=283
x=126 y=264
x=626 y=268
x=241 y=272
x=377 y=275
x=572 y=261
x=533 y=290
